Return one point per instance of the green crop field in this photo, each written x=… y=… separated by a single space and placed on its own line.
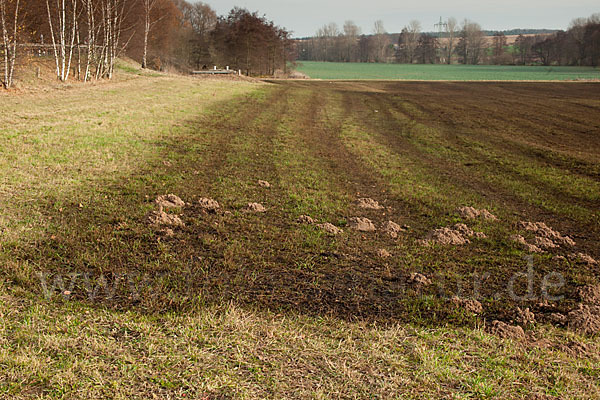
x=326 y=70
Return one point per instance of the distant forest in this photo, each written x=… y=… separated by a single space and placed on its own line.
x=464 y=43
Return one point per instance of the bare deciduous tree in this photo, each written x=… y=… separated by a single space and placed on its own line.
x=408 y=42
x=472 y=42
x=381 y=41
x=451 y=33
x=351 y=34
x=9 y=40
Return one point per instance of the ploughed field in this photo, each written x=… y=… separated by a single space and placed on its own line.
x=80 y=194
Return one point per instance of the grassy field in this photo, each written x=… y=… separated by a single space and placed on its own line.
x=95 y=302
x=325 y=70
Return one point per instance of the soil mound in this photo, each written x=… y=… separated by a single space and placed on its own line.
x=383 y=253
x=544 y=231
x=392 y=229
x=584 y=258
x=447 y=236
x=530 y=247
x=369 y=203
x=544 y=243
x=458 y=235
x=418 y=279
x=255 y=207
x=525 y=317
x=361 y=224
x=209 y=204
x=169 y=201
x=590 y=294
x=473 y=213
x=585 y=319
x=305 y=219
x=162 y=218
x=506 y=331
x=470 y=305
x=330 y=228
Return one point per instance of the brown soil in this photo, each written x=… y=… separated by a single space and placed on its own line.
x=590 y=294
x=525 y=317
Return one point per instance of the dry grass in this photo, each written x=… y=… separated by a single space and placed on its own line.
x=72 y=351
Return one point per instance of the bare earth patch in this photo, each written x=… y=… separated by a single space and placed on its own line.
x=525 y=317
x=590 y=294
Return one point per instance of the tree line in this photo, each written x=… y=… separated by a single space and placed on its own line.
x=85 y=38
x=465 y=43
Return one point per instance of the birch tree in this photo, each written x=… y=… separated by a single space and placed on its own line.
x=149 y=6
x=91 y=39
x=9 y=40
x=62 y=20
x=113 y=14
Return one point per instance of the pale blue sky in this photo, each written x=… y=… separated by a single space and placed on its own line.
x=306 y=16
